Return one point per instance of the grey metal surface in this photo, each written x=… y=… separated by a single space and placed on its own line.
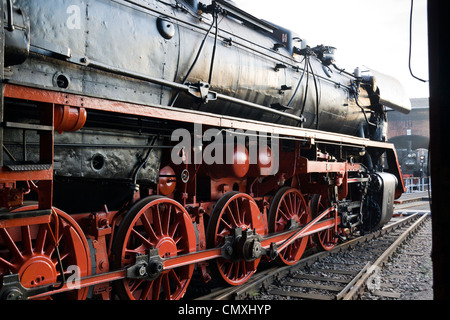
x=92 y=154
x=393 y=94
x=387 y=206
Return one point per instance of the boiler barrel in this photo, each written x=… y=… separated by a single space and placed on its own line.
x=112 y=50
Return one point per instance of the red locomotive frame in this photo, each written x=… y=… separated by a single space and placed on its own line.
x=113 y=256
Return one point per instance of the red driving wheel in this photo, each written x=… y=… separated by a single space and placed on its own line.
x=325 y=239
x=288 y=209
x=233 y=210
x=159 y=223
x=31 y=251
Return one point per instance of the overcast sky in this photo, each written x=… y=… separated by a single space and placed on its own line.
x=366 y=33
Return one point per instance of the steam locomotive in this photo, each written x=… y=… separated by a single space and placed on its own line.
x=145 y=140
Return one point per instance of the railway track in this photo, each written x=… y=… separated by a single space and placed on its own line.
x=340 y=274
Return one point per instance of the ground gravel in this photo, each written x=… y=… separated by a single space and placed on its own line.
x=409 y=273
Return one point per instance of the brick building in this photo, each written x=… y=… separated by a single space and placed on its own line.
x=410 y=133
x=414 y=127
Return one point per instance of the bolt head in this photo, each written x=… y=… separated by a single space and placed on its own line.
x=141 y=271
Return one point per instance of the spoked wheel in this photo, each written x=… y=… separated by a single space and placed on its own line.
x=233 y=210
x=31 y=251
x=289 y=210
x=325 y=239
x=159 y=223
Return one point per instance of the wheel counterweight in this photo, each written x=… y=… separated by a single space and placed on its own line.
x=41 y=253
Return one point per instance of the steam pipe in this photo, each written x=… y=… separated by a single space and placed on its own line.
x=182 y=87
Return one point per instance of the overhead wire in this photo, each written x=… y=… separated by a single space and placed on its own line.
x=410 y=42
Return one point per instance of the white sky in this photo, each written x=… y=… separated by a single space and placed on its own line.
x=372 y=33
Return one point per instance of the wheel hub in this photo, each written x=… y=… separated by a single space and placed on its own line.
x=33 y=267
x=37 y=271
x=241 y=253
x=154 y=228
x=243 y=244
x=167 y=247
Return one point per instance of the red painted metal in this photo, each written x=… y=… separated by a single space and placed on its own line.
x=161 y=223
x=238 y=166
x=391 y=156
x=282 y=239
x=31 y=248
x=265 y=160
x=21 y=222
x=46 y=155
x=84 y=283
x=10 y=196
x=167 y=181
x=311 y=228
x=187 y=259
x=69 y=118
x=327 y=239
x=9 y=176
x=165 y=224
x=234 y=210
x=44 y=174
x=288 y=207
x=60 y=98
x=190 y=116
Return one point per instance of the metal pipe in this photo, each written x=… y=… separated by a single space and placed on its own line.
x=181 y=87
x=10 y=16
x=134 y=75
x=256 y=106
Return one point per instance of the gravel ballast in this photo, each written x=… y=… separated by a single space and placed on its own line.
x=409 y=273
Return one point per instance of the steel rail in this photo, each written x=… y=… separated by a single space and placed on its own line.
x=259 y=279
x=361 y=283
x=265 y=278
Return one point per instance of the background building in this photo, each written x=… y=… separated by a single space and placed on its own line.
x=410 y=133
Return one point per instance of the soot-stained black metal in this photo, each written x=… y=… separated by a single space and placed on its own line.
x=209 y=56
x=92 y=44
